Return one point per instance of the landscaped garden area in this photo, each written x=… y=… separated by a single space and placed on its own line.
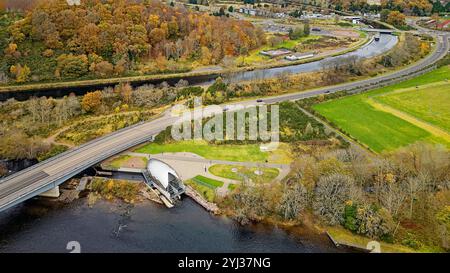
x=241 y=173
x=205 y=186
x=249 y=152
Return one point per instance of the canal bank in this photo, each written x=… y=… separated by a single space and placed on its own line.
x=60 y=89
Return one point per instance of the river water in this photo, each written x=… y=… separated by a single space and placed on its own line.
x=47 y=226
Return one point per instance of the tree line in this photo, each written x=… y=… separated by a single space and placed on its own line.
x=400 y=197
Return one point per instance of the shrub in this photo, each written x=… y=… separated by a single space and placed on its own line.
x=109 y=189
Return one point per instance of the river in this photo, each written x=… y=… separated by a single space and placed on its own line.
x=47 y=226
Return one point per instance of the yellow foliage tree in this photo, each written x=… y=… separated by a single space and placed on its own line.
x=91 y=101
x=21 y=73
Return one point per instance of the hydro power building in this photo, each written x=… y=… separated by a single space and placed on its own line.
x=165 y=179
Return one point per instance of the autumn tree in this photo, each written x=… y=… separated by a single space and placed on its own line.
x=91 y=101
x=20 y=73
x=396 y=18
x=125 y=90
x=72 y=66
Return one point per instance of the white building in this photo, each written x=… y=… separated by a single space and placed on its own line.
x=164 y=178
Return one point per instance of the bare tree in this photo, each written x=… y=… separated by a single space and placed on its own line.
x=330 y=195
x=293 y=201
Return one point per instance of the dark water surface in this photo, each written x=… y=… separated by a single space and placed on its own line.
x=46 y=226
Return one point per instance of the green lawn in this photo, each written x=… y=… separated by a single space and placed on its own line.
x=211 y=183
x=225 y=171
x=207 y=193
x=379 y=130
x=429 y=103
x=127 y=161
x=205 y=186
x=241 y=153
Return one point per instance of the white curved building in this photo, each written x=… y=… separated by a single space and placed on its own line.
x=164 y=178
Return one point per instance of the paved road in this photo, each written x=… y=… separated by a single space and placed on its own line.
x=50 y=173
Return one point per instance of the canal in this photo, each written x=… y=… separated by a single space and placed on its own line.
x=374 y=48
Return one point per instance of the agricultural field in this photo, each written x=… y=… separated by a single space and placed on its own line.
x=430 y=103
x=403 y=121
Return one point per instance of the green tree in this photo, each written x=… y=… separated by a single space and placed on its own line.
x=71 y=66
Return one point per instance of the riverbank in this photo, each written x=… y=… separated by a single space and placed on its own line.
x=113 y=226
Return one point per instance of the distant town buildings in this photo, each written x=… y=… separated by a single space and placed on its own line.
x=374 y=2
x=262 y=12
x=73 y=2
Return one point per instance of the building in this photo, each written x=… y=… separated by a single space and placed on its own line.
x=275 y=52
x=443 y=25
x=164 y=179
x=374 y=2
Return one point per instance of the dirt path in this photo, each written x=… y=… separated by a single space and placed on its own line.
x=52 y=139
x=413 y=120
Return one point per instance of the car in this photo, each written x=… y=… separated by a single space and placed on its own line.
x=327 y=92
x=259 y=100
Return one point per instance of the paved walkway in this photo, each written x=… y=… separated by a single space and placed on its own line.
x=189 y=165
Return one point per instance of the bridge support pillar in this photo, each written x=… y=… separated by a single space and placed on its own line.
x=53 y=193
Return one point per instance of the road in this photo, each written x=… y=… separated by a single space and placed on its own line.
x=52 y=172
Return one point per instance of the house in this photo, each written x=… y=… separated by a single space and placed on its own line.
x=444 y=24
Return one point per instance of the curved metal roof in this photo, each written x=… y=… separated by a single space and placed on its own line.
x=161 y=171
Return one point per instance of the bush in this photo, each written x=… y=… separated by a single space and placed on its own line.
x=54 y=150
x=109 y=189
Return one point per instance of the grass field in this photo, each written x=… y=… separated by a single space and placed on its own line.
x=240 y=153
x=226 y=171
x=379 y=130
x=211 y=183
x=429 y=103
x=127 y=161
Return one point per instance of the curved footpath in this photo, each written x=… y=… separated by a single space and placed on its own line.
x=54 y=171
